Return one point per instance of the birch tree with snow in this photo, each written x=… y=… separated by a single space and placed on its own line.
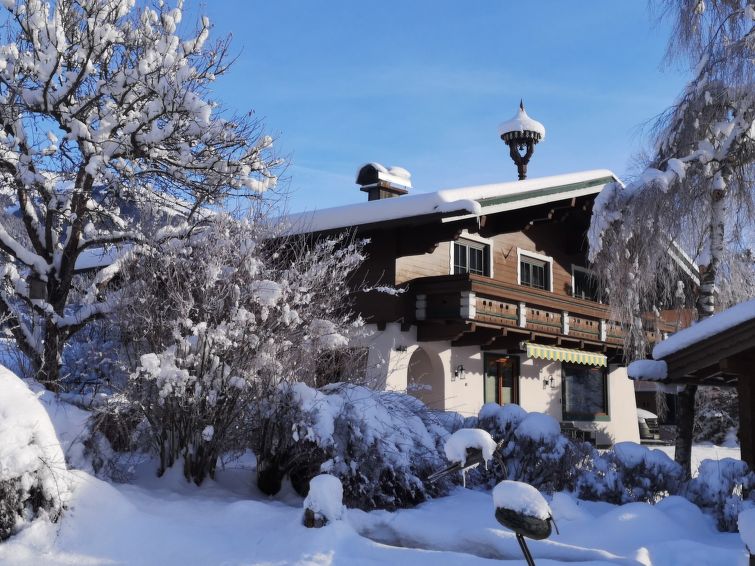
x=696 y=192
x=103 y=102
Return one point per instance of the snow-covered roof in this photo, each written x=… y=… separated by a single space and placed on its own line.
x=706 y=328
x=647 y=370
x=455 y=203
x=521 y=122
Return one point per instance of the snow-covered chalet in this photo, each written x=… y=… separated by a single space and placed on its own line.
x=495 y=303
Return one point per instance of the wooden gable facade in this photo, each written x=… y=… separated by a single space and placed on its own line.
x=496 y=306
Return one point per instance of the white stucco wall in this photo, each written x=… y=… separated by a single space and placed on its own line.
x=537 y=395
x=622 y=407
x=388 y=367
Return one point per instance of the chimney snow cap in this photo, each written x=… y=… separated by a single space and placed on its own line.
x=373 y=173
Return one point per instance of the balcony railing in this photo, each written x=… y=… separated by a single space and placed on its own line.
x=485 y=301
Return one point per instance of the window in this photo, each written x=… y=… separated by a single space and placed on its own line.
x=471 y=257
x=584 y=284
x=535 y=271
x=501 y=379
x=585 y=395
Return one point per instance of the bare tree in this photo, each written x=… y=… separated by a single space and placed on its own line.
x=697 y=189
x=101 y=104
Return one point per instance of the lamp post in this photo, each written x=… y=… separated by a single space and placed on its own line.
x=521 y=133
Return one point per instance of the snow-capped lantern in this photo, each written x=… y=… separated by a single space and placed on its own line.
x=522 y=509
x=521 y=133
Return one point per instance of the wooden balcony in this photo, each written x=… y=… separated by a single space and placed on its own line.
x=472 y=309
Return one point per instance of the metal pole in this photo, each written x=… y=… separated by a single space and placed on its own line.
x=525 y=550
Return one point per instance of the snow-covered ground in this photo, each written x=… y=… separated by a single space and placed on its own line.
x=702 y=452
x=167 y=521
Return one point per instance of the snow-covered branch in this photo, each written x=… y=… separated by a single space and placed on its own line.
x=103 y=104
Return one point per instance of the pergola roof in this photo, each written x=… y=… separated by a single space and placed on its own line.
x=717 y=350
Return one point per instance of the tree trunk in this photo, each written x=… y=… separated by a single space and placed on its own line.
x=685 y=420
x=706 y=306
x=48 y=372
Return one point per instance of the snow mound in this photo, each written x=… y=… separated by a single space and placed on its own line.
x=538 y=426
x=33 y=476
x=457 y=444
x=746 y=524
x=325 y=497
x=521 y=498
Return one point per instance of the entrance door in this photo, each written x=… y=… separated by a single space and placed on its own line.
x=501 y=379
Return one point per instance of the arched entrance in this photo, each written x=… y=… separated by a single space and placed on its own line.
x=425 y=379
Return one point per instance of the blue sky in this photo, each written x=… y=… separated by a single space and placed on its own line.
x=424 y=85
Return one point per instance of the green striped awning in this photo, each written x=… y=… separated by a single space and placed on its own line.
x=566 y=355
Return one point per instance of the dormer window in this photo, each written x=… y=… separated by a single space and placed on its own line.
x=470 y=256
x=535 y=270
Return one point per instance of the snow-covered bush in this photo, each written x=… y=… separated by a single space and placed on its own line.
x=33 y=480
x=538 y=454
x=628 y=472
x=215 y=319
x=724 y=488
x=500 y=421
x=380 y=444
x=533 y=449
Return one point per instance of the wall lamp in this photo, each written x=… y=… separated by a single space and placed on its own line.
x=459 y=372
x=549 y=381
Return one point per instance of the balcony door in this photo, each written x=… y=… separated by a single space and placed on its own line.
x=501 y=379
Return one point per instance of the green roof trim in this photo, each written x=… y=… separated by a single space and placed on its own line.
x=492 y=201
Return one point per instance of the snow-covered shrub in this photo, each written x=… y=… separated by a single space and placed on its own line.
x=533 y=449
x=33 y=477
x=500 y=421
x=380 y=444
x=724 y=488
x=627 y=473
x=538 y=454
x=453 y=421
x=215 y=319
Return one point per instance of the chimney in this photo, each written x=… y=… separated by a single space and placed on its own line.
x=380 y=182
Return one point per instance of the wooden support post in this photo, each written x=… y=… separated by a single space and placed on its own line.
x=746 y=393
x=685 y=420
